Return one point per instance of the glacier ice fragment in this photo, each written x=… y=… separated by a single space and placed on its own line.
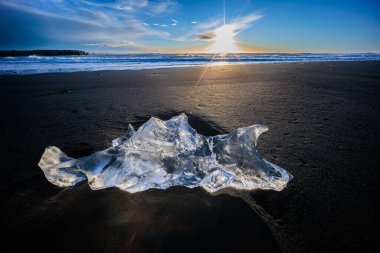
x=161 y=154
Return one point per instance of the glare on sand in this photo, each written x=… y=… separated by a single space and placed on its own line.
x=224 y=44
x=224 y=40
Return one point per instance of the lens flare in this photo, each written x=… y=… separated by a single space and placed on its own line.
x=224 y=40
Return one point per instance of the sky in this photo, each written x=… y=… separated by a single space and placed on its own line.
x=191 y=26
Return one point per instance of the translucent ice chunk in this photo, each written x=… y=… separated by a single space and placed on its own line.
x=161 y=154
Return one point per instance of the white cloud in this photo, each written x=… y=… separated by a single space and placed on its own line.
x=204 y=26
x=91 y=44
x=205 y=31
x=106 y=14
x=124 y=43
x=245 y=22
x=119 y=5
x=163 y=6
x=120 y=44
x=120 y=47
x=95 y=23
x=160 y=25
x=239 y=25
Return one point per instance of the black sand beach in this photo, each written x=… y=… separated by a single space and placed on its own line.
x=323 y=121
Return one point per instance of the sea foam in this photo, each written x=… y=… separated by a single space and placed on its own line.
x=96 y=62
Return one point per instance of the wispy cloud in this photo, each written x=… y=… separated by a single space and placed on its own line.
x=121 y=46
x=244 y=22
x=163 y=6
x=124 y=43
x=161 y=25
x=119 y=23
x=149 y=7
x=119 y=5
x=205 y=31
x=174 y=22
x=118 y=19
x=204 y=26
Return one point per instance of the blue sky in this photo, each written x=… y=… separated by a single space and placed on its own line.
x=189 y=26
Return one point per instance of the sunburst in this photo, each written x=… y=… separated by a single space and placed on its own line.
x=224 y=40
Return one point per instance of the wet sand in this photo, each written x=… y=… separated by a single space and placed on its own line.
x=323 y=121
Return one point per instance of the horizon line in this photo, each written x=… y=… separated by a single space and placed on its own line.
x=179 y=52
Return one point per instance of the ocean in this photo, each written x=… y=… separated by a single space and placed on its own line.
x=93 y=62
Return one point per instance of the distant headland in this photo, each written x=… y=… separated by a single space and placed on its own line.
x=7 y=53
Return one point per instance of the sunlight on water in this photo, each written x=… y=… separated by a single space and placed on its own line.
x=95 y=62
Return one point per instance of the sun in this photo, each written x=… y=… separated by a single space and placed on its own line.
x=224 y=40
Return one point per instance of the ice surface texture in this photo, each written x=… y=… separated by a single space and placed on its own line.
x=161 y=154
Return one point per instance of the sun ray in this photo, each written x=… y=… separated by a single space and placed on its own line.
x=241 y=11
x=224 y=40
x=244 y=67
x=205 y=70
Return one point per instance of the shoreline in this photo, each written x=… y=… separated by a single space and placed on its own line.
x=207 y=65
